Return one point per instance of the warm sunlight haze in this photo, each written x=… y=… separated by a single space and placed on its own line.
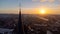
x=42 y=11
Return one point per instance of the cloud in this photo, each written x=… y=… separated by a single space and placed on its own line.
x=34 y=0
x=51 y=0
x=47 y=0
x=58 y=0
x=43 y=0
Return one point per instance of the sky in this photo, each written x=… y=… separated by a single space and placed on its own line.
x=29 y=6
x=9 y=6
x=32 y=6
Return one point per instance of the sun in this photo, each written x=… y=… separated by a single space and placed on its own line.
x=42 y=11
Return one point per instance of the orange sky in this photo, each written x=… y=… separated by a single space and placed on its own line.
x=33 y=6
x=36 y=10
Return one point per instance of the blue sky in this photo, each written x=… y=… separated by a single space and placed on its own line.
x=12 y=6
x=7 y=5
x=31 y=3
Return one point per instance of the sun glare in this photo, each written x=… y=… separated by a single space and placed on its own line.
x=42 y=11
